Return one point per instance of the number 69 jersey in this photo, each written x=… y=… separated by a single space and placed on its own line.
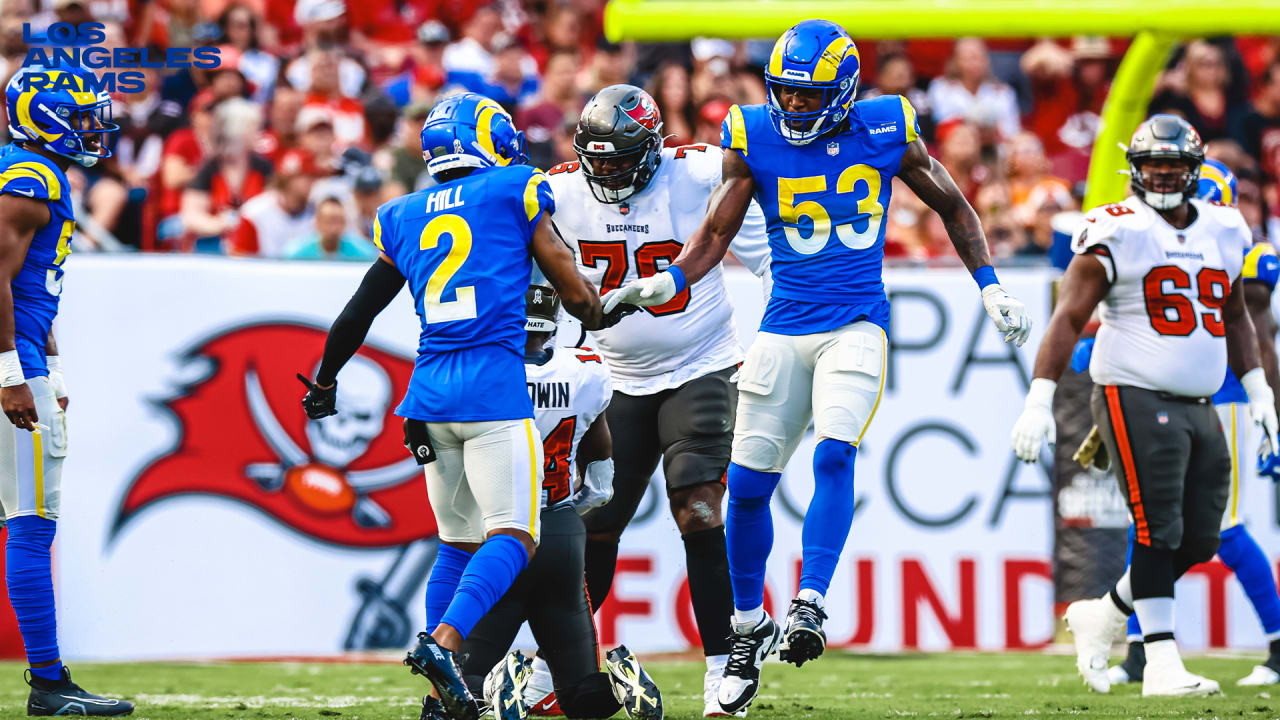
x=569 y=391
x=667 y=345
x=1162 y=327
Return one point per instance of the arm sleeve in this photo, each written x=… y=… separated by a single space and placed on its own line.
x=379 y=287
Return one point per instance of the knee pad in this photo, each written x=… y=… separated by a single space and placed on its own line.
x=758 y=452
x=745 y=483
x=692 y=461
x=1199 y=549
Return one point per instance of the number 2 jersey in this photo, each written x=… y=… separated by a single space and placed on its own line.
x=569 y=391
x=825 y=204
x=463 y=247
x=665 y=346
x=38 y=285
x=1162 y=327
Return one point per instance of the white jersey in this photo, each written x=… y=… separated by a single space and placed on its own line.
x=662 y=347
x=1162 y=327
x=569 y=392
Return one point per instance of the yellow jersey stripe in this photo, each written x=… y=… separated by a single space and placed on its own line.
x=884 y=356
x=37 y=464
x=51 y=180
x=909 y=116
x=531 y=204
x=533 y=480
x=830 y=59
x=15 y=173
x=377 y=233
x=737 y=130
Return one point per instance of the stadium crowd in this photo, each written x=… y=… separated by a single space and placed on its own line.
x=312 y=119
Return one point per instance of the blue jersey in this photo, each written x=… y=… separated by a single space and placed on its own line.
x=39 y=283
x=824 y=204
x=463 y=247
x=1261 y=265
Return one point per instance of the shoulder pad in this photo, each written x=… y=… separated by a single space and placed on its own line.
x=889 y=116
x=699 y=162
x=32 y=179
x=743 y=122
x=1261 y=264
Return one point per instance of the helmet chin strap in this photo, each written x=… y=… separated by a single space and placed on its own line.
x=1162 y=201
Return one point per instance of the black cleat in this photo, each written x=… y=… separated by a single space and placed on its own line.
x=504 y=686
x=803 y=639
x=63 y=697
x=436 y=663
x=432 y=709
x=632 y=686
x=751 y=645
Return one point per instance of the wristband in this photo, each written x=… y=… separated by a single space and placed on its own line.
x=984 y=276
x=1040 y=394
x=11 y=369
x=678 y=275
x=54 y=363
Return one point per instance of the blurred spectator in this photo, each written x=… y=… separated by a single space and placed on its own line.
x=1260 y=127
x=509 y=84
x=1067 y=90
x=368 y=195
x=1196 y=89
x=1249 y=200
x=970 y=92
x=282 y=123
x=1229 y=153
x=563 y=142
x=211 y=201
x=407 y=165
x=316 y=136
x=716 y=72
x=183 y=154
x=562 y=31
x=145 y=120
x=324 y=29
x=323 y=91
x=557 y=101
x=960 y=151
x=471 y=53
x=226 y=80
x=994 y=206
x=612 y=64
x=426 y=56
x=239 y=25
x=281 y=215
x=330 y=240
x=895 y=76
x=1032 y=190
x=674 y=96
x=710 y=117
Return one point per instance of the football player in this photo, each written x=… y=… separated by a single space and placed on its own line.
x=51 y=128
x=1238 y=549
x=821 y=167
x=627 y=204
x=466 y=246
x=570 y=390
x=1166 y=268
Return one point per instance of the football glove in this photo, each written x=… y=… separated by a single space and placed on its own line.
x=1035 y=425
x=1269 y=466
x=56 y=380
x=644 y=292
x=1008 y=313
x=319 y=402
x=619 y=311
x=1081 y=355
x=597 y=486
x=1262 y=409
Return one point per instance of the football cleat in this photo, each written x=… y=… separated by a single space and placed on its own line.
x=540 y=692
x=1260 y=675
x=632 y=686
x=1129 y=671
x=63 y=697
x=711 y=691
x=432 y=709
x=803 y=640
x=1165 y=676
x=504 y=687
x=436 y=663
x=1094 y=624
x=752 y=643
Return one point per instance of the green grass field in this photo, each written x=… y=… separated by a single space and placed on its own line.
x=956 y=685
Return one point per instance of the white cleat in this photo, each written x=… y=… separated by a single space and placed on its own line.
x=1261 y=675
x=711 y=690
x=1165 y=675
x=751 y=645
x=1094 y=625
x=1117 y=675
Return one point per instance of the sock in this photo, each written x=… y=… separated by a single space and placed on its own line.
x=601 y=559
x=812 y=596
x=749 y=534
x=29 y=576
x=1274 y=647
x=716 y=663
x=1240 y=553
x=1156 y=615
x=830 y=514
x=709 y=588
x=489 y=574
x=752 y=615
x=446 y=572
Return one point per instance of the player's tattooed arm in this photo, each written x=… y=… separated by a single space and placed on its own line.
x=380 y=286
x=1083 y=287
x=1257 y=299
x=1243 y=354
x=20 y=218
x=931 y=182
x=729 y=202
x=556 y=260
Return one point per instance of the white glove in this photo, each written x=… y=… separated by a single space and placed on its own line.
x=645 y=292
x=1035 y=425
x=597 y=486
x=56 y=380
x=1262 y=408
x=1008 y=312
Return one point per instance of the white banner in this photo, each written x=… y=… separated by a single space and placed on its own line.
x=204 y=516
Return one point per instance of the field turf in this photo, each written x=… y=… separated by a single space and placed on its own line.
x=953 y=685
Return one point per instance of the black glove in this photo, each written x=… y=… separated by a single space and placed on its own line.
x=614 y=316
x=319 y=402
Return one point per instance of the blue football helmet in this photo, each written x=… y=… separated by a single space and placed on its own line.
x=814 y=55
x=1217 y=183
x=62 y=112
x=469 y=130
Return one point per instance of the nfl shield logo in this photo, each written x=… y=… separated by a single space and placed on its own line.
x=624 y=208
x=1162 y=418
x=1182 y=238
x=833 y=148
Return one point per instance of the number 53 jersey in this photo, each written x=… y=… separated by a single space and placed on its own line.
x=463 y=247
x=1162 y=326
